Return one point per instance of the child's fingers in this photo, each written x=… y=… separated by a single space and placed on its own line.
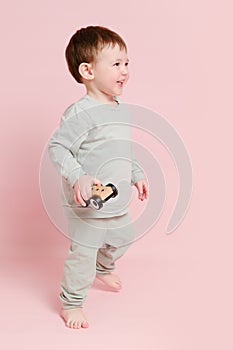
x=83 y=190
x=96 y=182
x=78 y=198
x=146 y=191
x=140 y=191
x=86 y=194
x=87 y=190
x=143 y=196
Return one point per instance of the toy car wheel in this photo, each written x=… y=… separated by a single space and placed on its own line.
x=96 y=202
x=114 y=190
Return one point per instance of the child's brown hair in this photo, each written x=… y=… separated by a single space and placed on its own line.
x=85 y=45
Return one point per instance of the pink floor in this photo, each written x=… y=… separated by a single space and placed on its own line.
x=175 y=297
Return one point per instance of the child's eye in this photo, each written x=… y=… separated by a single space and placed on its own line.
x=117 y=64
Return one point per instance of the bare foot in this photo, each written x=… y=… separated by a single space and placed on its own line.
x=110 y=280
x=74 y=318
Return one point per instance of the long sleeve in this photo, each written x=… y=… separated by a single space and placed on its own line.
x=137 y=173
x=64 y=146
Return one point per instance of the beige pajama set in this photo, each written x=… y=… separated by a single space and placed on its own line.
x=94 y=139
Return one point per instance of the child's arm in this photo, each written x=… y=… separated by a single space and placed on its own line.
x=64 y=146
x=63 y=149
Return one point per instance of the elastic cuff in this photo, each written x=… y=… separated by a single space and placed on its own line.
x=136 y=177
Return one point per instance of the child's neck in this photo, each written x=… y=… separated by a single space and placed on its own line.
x=98 y=96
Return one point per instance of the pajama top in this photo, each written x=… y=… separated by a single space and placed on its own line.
x=95 y=139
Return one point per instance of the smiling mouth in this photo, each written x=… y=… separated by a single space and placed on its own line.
x=120 y=83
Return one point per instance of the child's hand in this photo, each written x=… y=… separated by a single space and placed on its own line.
x=142 y=187
x=82 y=189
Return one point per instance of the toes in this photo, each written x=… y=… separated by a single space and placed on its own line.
x=75 y=325
x=72 y=324
x=85 y=324
x=79 y=324
x=69 y=324
x=116 y=284
x=75 y=319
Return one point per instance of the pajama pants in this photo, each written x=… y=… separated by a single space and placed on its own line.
x=95 y=246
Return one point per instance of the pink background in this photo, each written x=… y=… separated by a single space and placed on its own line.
x=177 y=289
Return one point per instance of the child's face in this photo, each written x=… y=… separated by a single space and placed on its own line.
x=111 y=71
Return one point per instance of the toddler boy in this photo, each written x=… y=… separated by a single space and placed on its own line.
x=92 y=146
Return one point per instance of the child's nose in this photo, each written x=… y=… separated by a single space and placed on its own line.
x=124 y=70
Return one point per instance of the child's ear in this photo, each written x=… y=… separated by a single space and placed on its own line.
x=86 y=71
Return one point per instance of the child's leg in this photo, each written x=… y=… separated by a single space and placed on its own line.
x=80 y=267
x=79 y=273
x=106 y=258
x=105 y=265
x=119 y=236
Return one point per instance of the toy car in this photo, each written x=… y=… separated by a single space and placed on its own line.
x=101 y=194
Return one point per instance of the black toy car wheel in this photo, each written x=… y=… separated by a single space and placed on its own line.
x=114 y=190
x=96 y=202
